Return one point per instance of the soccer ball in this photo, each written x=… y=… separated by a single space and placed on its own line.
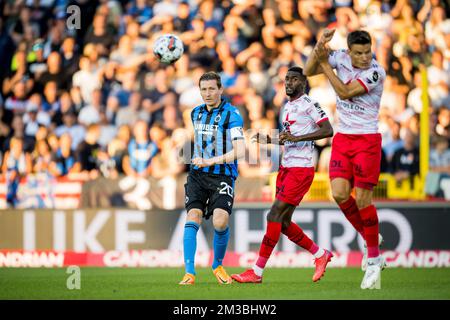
x=168 y=48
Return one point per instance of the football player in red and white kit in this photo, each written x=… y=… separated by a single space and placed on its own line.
x=304 y=121
x=356 y=147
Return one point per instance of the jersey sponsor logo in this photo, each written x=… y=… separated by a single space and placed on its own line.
x=319 y=110
x=202 y=127
x=351 y=106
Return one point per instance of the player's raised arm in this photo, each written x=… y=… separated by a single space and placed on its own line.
x=312 y=65
x=344 y=91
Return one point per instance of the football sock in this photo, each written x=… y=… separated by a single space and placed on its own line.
x=296 y=235
x=370 y=221
x=270 y=240
x=353 y=215
x=220 y=243
x=190 y=245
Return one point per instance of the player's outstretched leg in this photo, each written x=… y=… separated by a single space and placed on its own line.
x=190 y=246
x=322 y=256
x=220 y=243
x=270 y=240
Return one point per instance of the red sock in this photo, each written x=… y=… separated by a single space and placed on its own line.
x=353 y=215
x=270 y=240
x=296 y=235
x=370 y=221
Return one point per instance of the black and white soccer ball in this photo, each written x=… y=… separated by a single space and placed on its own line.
x=168 y=48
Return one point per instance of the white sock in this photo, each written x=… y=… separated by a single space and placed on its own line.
x=319 y=253
x=258 y=271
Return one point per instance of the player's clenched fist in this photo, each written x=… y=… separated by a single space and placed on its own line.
x=327 y=35
x=321 y=52
x=286 y=136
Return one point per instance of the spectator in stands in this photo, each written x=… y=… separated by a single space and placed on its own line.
x=16 y=165
x=70 y=57
x=18 y=131
x=18 y=72
x=395 y=143
x=166 y=162
x=132 y=112
x=100 y=33
x=443 y=125
x=438 y=81
x=17 y=102
x=440 y=156
x=54 y=73
x=439 y=166
x=70 y=125
x=88 y=153
x=86 y=79
x=50 y=103
x=90 y=113
x=63 y=160
x=41 y=157
x=141 y=150
x=405 y=162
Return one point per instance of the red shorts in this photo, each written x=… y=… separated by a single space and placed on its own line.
x=357 y=158
x=293 y=184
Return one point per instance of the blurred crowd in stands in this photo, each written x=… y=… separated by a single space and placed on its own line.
x=94 y=101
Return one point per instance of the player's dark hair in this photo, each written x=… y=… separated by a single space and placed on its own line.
x=358 y=37
x=211 y=75
x=298 y=70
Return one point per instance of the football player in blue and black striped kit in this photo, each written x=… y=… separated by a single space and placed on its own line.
x=218 y=143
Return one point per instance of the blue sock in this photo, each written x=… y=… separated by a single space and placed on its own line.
x=220 y=246
x=190 y=245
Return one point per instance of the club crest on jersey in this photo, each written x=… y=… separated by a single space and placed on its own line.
x=287 y=123
x=375 y=77
x=217 y=118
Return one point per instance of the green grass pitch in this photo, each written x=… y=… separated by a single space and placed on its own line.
x=279 y=284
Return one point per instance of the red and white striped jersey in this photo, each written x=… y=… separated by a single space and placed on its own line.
x=358 y=115
x=300 y=117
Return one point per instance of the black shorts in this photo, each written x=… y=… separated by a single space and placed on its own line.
x=207 y=192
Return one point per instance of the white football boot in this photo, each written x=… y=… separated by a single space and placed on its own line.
x=372 y=277
x=364 y=258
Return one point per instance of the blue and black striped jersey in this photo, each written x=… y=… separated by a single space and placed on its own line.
x=214 y=132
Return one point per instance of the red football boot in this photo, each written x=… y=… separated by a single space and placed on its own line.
x=248 y=276
x=321 y=265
